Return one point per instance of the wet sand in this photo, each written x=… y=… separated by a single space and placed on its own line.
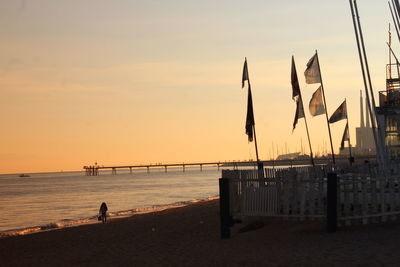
x=189 y=236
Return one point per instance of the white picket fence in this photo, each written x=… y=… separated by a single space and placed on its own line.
x=363 y=195
x=368 y=198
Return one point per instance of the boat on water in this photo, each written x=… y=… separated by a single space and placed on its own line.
x=24 y=175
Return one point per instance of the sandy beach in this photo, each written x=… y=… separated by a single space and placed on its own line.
x=189 y=236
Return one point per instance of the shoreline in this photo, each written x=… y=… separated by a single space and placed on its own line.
x=190 y=236
x=68 y=223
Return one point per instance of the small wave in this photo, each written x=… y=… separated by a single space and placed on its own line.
x=93 y=219
x=159 y=207
x=47 y=227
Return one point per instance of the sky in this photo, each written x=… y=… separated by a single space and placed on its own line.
x=152 y=81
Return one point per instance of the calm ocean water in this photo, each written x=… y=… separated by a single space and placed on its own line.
x=52 y=200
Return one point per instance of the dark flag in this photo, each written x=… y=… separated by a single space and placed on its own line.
x=299 y=112
x=295 y=81
x=296 y=95
x=345 y=137
x=340 y=113
x=250 y=115
x=245 y=76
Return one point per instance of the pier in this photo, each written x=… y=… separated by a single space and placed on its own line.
x=94 y=170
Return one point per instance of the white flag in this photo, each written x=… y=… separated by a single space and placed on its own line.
x=312 y=72
x=316 y=105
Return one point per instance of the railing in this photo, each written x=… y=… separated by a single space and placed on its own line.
x=392 y=77
x=389 y=98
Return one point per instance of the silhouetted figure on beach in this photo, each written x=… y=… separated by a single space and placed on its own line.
x=103 y=212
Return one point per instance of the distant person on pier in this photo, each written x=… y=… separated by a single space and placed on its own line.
x=103 y=212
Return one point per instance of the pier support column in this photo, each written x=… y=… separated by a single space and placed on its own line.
x=165 y=168
x=130 y=170
x=201 y=167
x=183 y=167
x=148 y=169
x=114 y=171
x=218 y=166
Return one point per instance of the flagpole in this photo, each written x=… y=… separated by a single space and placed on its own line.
x=254 y=125
x=326 y=110
x=372 y=109
x=302 y=106
x=394 y=22
x=348 y=133
x=396 y=13
x=254 y=130
x=255 y=143
x=357 y=31
x=308 y=134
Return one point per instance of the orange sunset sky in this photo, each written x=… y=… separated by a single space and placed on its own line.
x=131 y=82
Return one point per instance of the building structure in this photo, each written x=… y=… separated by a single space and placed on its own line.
x=389 y=111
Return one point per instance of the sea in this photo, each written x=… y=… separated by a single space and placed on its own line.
x=53 y=200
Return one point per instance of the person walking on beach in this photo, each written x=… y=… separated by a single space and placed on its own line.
x=103 y=212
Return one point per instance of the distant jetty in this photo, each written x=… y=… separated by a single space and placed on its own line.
x=94 y=170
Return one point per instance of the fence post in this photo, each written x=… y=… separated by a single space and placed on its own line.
x=261 y=176
x=226 y=220
x=331 y=213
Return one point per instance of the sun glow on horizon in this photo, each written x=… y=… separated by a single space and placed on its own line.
x=141 y=82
